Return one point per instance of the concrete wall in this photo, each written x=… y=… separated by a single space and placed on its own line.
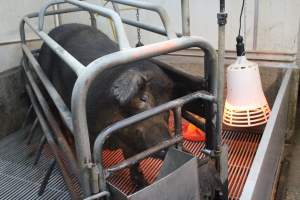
x=13 y=101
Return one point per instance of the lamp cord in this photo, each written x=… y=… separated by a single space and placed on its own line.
x=243 y=5
x=240 y=47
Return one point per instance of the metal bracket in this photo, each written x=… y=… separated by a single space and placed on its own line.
x=211 y=153
x=222 y=18
x=97 y=196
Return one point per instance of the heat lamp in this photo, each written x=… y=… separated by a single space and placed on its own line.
x=246 y=104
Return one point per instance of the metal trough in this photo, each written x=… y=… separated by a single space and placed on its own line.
x=176 y=166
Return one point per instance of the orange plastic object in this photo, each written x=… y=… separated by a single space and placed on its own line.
x=192 y=133
x=189 y=131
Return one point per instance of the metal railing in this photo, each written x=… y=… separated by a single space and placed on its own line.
x=106 y=133
x=169 y=30
x=88 y=74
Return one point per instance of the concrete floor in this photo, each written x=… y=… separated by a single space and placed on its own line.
x=289 y=183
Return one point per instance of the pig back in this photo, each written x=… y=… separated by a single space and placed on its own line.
x=86 y=44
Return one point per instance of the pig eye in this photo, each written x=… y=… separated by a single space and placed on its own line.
x=144 y=98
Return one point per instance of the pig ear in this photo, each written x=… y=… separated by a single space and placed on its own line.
x=127 y=86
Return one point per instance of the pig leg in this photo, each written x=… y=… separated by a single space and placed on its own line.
x=136 y=174
x=137 y=177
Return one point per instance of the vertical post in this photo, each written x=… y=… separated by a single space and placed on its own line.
x=57 y=17
x=221 y=156
x=222 y=17
x=185 y=16
x=177 y=124
x=255 y=25
x=93 y=19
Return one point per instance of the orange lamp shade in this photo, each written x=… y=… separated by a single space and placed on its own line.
x=246 y=104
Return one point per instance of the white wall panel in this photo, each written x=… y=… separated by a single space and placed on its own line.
x=11 y=12
x=278 y=25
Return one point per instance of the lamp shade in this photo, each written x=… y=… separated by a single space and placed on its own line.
x=246 y=104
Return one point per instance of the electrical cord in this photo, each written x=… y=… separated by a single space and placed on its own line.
x=243 y=5
x=240 y=48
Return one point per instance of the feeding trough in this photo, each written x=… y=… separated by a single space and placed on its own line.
x=177 y=165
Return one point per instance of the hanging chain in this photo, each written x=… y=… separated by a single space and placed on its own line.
x=139 y=36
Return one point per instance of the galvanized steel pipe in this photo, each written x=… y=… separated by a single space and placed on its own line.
x=107 y=132
x=121 y=34
x=156 y=8
x=84 y=81
x=57 y=100
x=185 y=17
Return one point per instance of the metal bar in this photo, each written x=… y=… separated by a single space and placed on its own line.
x=36 y=14
x=55 y=12
x=222 y=20
x=32 y=129
x=16 y=41
x=147 y=27
x=255 y=25
x=43 y=10
x=97 y=196
x=53 y=123
x=57 y=100
x=57 y=17
x=177 y=120
x=121 y=34
x=185 y=16
x=63 y=11
x=178 y=124
x=156 y=8
x=186 y=115
x=47 y=132
x=47 y=177
x=107 y=132
x=40 y=149
x=75 y=65
x=85 y=80
x=134 y=159
x=93 y=20
x=221 y=65
x=27 y=116
x=116 y=8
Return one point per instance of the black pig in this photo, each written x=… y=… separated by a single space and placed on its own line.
x=118 y=92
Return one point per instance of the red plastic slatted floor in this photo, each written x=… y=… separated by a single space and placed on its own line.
x=242 y=149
